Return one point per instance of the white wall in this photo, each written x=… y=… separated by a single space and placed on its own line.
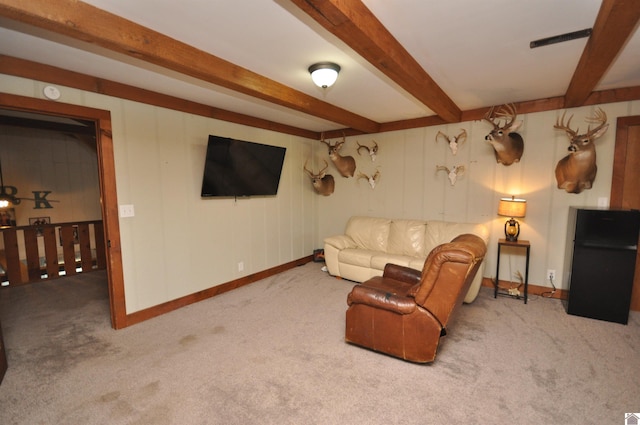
x=410 y=187
x=177 y=243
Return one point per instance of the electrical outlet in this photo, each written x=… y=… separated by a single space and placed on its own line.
x=241 y=266
x=551 y=274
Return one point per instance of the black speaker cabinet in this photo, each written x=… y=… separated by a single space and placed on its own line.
x=600 y=262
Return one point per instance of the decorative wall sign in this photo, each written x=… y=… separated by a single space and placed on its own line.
x=38 y=222
x=39 y=197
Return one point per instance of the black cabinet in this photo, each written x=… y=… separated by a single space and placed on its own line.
x=600 y=262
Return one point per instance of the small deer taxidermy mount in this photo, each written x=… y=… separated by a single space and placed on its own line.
x=453 y=142
x=577 y=171
x=323 y=183
x=373 y=179
x=346 y=165
x=372 y=151
x=508 y=145
x=453 y=173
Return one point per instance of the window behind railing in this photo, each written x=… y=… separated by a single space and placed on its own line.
x=48 y=251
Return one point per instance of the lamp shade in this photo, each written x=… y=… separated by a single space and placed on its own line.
x=512 y=207
x=324 y=74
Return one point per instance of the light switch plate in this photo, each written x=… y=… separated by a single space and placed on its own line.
x=127 y=210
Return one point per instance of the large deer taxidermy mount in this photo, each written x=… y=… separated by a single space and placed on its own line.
x=372 y=180
x=346 y=165
x=577 y=171
x=372 y=151
x=507 y=144
x=453 y=142
x=453 y=173
x=323 y=183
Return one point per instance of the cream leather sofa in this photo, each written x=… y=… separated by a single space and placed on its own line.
x=369 y=243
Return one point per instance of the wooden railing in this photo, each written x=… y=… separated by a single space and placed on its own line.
x=48 y=251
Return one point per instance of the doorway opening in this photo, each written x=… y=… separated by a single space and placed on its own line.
x=106 y=181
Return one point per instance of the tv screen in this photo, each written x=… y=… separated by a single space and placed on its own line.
x=236 y=168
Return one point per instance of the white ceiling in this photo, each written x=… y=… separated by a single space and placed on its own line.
x=476 y=51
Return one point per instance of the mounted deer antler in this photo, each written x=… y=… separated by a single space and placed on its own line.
x=453 y=142
x=577 y=171
x=372 y=151
x=346 y=165
x=507 y=144
x=323 y=183
x=373 y=180
x=452 y=173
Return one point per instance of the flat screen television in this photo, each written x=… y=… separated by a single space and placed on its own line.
x=237 y=168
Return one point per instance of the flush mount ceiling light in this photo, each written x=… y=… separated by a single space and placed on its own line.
x=324 y=74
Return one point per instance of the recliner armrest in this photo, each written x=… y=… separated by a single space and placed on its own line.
x=401 y=273
x=381 y=299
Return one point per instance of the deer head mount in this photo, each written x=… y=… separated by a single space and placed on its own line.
x=373 y=179
x=372 y=151
x=453 y=173
x=346 y=165
x=323 y=183
x=454 y=142
x=577 y=171
x=508 y=145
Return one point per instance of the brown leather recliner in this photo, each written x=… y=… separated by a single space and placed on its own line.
x=404 y=312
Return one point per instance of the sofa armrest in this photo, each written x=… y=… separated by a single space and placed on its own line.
x=402 y=273
x=340 y=242
x=381 y=299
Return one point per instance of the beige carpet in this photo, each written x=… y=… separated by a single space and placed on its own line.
x=273 y=353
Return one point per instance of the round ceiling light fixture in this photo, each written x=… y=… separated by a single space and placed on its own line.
x=324 y=74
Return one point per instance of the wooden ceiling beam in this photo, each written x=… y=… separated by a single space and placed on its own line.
x=89 y=24
x=614 y=25
x=355 y=25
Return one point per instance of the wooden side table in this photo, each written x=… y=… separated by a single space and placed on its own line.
x=518 y=244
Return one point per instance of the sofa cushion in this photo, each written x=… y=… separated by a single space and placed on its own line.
x=369 y=232
x=379 y=260
x=442 y=231
x=406 y=237
x=356 y=257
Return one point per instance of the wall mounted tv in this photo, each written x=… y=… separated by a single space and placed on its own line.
x=236 y=168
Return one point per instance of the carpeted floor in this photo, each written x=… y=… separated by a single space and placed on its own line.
x=273 y=353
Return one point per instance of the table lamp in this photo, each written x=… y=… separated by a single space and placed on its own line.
x=512 y=208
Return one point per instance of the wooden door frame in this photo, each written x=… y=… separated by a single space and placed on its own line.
x=619 y=158
x=107 y=182
x=617 y=186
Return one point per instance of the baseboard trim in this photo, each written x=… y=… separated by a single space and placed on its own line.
x=160 y=309
x=543 y=291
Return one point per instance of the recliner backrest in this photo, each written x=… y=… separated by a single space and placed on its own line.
x=447 y=275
